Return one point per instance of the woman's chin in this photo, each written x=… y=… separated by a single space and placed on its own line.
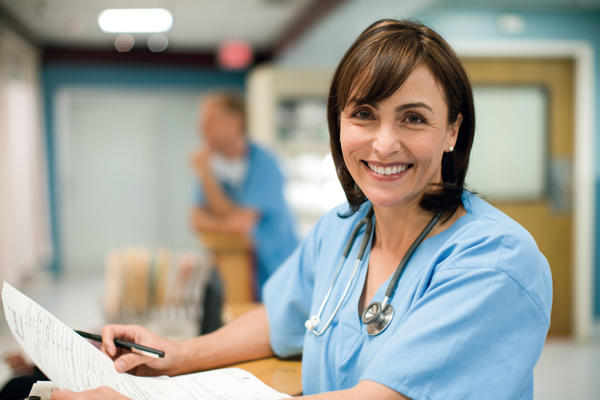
x=387 y=200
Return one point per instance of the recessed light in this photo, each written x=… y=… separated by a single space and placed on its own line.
x=158 y=43
x=135 y=20
x=124 y=42
x=511 y=23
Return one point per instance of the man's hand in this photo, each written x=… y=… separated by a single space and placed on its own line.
x=240 y=221
x=18 y=364
x=200 y=160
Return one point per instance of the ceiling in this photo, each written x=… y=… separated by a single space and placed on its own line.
x=202 y=25
x=197 y=24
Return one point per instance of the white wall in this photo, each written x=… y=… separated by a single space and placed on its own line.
x=24 y=218
x=124 y=173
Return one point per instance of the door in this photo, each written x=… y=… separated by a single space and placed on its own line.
x=522 y=156
x=125 y=178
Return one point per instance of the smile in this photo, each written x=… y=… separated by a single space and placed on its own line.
x=387 y=170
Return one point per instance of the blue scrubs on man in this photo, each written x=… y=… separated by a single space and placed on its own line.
x=261 y=189
x=472 y=310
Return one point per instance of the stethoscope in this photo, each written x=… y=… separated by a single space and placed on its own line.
x=377 y=316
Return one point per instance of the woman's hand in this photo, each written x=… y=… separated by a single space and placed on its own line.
x=126 y=361
x=101 y=393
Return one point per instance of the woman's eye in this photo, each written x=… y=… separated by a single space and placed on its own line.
x=415 y=119
x=363 y=114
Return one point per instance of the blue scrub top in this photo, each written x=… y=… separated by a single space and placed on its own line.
x=274 y=235
x=472 y=310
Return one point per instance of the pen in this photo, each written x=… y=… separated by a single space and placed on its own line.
x=133 y=347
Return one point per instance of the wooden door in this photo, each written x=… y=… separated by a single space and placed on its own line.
x=546 y=215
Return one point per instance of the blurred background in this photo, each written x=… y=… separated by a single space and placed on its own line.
x=96 y=129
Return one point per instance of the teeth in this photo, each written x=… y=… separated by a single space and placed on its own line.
x=387 y=170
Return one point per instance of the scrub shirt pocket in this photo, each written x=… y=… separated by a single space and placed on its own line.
x=349 y=341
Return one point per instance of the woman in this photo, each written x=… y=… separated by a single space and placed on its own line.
x=472 y=304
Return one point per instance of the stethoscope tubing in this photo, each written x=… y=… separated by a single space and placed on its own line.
x=339 y=304
x=368 y=223
x=389 y=292
x=315 y=320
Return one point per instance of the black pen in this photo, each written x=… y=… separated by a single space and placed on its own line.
x=133 y=347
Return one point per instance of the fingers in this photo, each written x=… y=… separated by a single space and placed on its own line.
x=62 y=395
x=108 y=344
x=110 y=332
x=128 y=361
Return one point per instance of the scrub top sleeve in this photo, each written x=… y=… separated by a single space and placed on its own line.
x=265 y=195
x=287 y=296
x=476 y=333
x=264 y=190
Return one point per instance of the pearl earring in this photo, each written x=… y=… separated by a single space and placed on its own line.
x=450 y=149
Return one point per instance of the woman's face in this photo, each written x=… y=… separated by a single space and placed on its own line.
x=393 y=149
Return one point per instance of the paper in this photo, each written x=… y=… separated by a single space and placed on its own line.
x=42 y=389
x=72 y=362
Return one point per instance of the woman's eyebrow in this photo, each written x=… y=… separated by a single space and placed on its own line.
x=413 y=105
x=356 y=102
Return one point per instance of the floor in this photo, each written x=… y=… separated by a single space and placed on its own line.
x=566 y=370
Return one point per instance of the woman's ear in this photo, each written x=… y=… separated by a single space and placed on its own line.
x=454 y=129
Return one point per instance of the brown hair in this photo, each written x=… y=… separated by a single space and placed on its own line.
x=232 y=102
x=373 y=68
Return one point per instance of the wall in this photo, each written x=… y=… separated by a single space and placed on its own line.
x=58 y=76
x=325 y=45
x=24 y=217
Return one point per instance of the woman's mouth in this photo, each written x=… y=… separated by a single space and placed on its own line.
x=387 y=170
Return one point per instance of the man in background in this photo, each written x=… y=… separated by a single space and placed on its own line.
x=241 y=185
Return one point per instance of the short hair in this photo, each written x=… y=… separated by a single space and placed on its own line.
x=232 y=102
x=373 y=68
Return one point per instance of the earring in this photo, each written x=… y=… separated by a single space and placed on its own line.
x=450 y=149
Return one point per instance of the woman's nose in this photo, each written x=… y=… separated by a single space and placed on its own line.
x=387 y=141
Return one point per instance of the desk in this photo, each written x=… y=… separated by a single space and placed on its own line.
x=282 y=375
x=235 y=262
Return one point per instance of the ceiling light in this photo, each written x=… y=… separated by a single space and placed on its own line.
x=158 y=43
x=511 y=23
x=135 y=20
x=124 y=42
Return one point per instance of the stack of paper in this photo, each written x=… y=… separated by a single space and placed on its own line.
x=71 y=362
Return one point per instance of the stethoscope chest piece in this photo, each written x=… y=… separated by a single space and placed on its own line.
x=376 y=319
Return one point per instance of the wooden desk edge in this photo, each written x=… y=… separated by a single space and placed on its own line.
x=283 y=375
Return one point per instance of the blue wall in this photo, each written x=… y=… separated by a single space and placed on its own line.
x=57 y=75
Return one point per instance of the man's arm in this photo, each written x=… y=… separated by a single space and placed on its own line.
x=217 y=201
x=220 y=214
x=239 y=221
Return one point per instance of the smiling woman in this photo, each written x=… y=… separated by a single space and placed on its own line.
x=458 y=294
x=398 y=143
x=367 y=74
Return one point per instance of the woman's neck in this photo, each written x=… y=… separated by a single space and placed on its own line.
x=397 y=227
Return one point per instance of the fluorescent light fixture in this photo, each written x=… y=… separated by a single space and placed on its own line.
x=135 y=20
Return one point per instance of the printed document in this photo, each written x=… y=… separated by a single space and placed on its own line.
x=73 y=363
